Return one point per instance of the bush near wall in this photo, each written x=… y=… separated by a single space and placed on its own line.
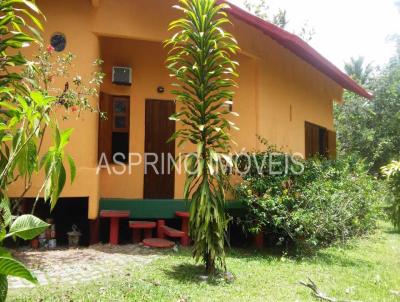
x=330 y=201
x=392 y=171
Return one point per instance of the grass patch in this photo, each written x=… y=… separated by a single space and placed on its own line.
x=366 y=270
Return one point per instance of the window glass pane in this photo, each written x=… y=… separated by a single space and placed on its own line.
x=120 y=122
x=120 y=146
x=120 y=107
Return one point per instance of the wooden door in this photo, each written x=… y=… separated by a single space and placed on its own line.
x=159 y=176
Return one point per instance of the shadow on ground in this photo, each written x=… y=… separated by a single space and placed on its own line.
x=326 y=256
x=191 y=273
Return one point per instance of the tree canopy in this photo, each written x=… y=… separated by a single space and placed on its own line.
x=370 y=129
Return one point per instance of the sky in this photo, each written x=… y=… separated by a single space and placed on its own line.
x=345 y=28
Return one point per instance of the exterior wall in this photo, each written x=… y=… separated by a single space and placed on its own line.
x=147 y=60
x=277 y=92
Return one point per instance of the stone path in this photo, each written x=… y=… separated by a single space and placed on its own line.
x=81 y=265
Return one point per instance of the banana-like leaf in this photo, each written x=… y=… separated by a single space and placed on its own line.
x=27 y=227
x=4 y=252
x=3 y=288
x=12 y=267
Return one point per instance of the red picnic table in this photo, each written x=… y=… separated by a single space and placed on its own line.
x=114 y=222
x=185 y=240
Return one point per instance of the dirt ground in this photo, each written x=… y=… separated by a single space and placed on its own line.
x=80 y=265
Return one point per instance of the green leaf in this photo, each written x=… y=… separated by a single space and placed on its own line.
x=213 y=155
x=61 y=180
x=65 y=136
x=199 y=149
x=8 y=105
x=57 y=137
x=6 y=215
x=3 y=287
x=27 y=227
x=37 y=97
x=72 y=168
x=228 y=159
x=12 y=267
x=31 y=156
x=31 y=17
x=4 y=252
x=32 y=6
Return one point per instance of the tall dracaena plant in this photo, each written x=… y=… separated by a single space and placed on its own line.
x=200 y=61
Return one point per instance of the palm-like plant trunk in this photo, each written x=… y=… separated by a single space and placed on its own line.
x=200 y=61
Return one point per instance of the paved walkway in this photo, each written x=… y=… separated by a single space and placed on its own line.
x=80 y=265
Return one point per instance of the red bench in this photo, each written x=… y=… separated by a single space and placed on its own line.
x=185 y=240
x=114 y=222
x=173 y=233
x=158 y=243
x=138 y=226
x=163 y=231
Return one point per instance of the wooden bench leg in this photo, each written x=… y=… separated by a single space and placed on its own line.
x=160 y=232
x=136 y=236
x=185 y=240
x=148 y=233
x=114 y=230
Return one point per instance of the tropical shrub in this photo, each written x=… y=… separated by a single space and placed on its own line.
x=311 y=203
x=25 y=227
x=49 y=67
x=392 y=171
x=22 y=114
x=199 y=60
x=30 y=103
x=28 y=106
x=26 y=110
x=73 y=98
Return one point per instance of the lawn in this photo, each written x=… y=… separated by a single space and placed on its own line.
x=366 y=270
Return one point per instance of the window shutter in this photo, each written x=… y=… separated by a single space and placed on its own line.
x=308 y=140
x=312 y=140
x=332 y=144
x=323 y=142
x=105 y=127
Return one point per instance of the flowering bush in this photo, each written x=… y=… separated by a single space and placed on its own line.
x=48 y=70
x=327 y=202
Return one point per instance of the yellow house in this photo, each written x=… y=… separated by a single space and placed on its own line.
x=286 y=94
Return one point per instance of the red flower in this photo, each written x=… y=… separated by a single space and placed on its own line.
x=74 y=108
x=50 y=49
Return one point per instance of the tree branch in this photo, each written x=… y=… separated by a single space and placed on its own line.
x=316 y=292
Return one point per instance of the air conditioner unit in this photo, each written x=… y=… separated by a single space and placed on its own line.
x=122 y=75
